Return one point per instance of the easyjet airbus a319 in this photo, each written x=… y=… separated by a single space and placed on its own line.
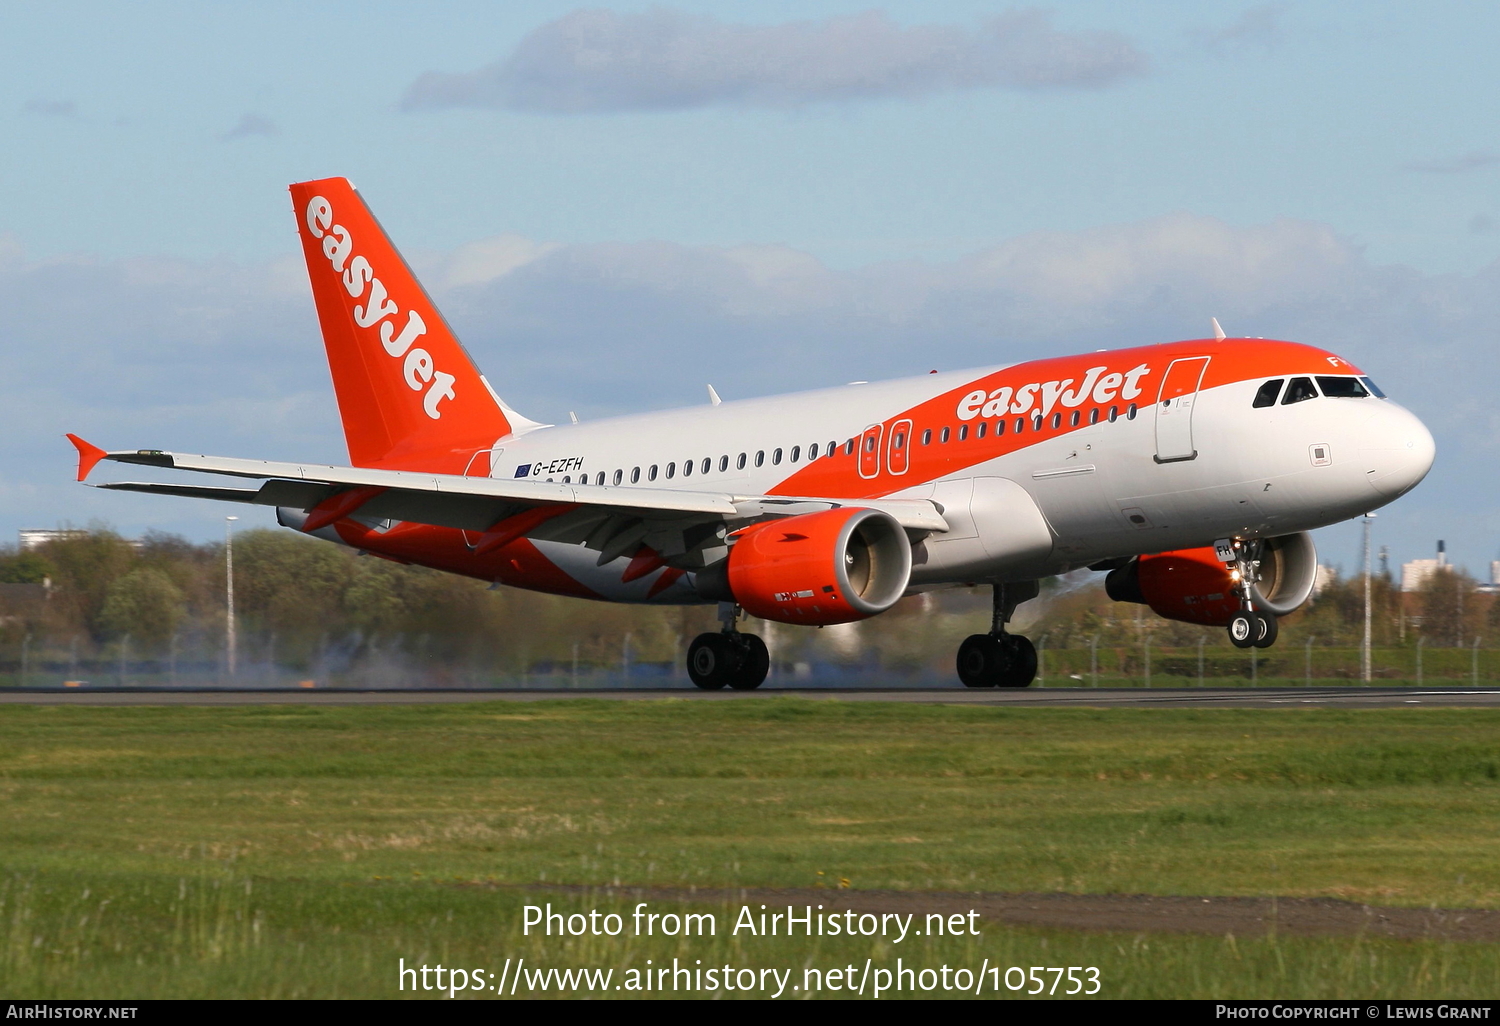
x=1192 y=471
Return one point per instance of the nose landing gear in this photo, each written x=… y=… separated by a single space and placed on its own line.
x=728 y=658
x=999 y=659
x=1250 y=628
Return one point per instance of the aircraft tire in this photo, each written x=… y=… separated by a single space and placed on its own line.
x=713 y=661
x=981 y=661
x=1244 y=629
x=1021 y=662
x=754 y=665
x=1269 y=628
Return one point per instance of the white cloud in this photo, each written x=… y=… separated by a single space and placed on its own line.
x=593 y=60
x=51 y=108
x=1474 y=160
x=1257 y=28
x=250 y=125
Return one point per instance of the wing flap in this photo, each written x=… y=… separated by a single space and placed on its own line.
x=476 y=503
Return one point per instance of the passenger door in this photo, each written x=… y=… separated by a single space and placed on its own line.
x=1174 y=409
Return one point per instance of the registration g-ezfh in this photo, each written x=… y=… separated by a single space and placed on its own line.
x=1191 y=471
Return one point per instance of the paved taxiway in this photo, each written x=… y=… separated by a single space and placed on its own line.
x=1231 y=698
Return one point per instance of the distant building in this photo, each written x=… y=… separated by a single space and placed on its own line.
x=32 y=538
x=1493 y=587
x=1415 y=573
x=1322 y=578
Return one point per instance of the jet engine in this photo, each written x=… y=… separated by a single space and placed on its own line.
x=1195 y=586
x=835 y=566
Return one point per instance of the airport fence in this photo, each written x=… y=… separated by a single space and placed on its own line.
x=1099 y=666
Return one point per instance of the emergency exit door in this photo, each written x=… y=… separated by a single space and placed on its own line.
x=1174 y=409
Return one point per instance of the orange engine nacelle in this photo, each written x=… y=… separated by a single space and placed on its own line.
x=1191 y=585
x=836 y=566
x=1195 y=586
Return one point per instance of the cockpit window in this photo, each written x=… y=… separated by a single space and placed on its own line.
x=1268 y=393
x=1299 y=390
x=1374 y=388
x=1342 y=388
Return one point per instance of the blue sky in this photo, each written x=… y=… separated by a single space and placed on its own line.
x=756 y=194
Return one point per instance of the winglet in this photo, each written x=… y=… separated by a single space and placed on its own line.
x=713 y=396
x=1218 y=331
x=88 y=455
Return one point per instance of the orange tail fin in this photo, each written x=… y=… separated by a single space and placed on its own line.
x=409 y=395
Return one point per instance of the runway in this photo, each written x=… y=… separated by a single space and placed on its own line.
x=1224 y=698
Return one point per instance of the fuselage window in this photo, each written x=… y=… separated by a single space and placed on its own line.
x=739 y=463
x=723 y=464
x=1056 y=421
x=1299 y=390
x=1342 y=388
x=963 y=432
x=599 y=479
x=567 y=479
x=833 y=447
x=1114 y=414
x=943 y=435
x=708 y=462
x=812 y=452
x=1073 y=420
x=760 y=458
x=1374 y=388
x=980 y=429
x=1266 y=395
x=671 y=471
x=849 y=447
x=619 y=474
x=1130 y=412
x=1020 y=424
x=796 y=453
x=687 y=468
x=775 y=457
x=999 y=428
x=1094 y=415
x=1036 y=422
x=927 y=437
x=635 y=475
x=651 y=474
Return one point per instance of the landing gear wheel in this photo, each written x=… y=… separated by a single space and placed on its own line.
x=1021 y=661
x=755 y=663
x=987 y=661
x=714 y=660
x=981 y=661
x=1267 y=629
x=1244 y=629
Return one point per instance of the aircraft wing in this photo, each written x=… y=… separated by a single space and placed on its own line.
x=482 y=504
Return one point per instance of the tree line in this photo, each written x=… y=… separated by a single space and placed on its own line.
x=305 y=604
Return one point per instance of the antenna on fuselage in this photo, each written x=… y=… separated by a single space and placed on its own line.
x=1219 y=335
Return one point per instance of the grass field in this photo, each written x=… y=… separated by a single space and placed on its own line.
x=295 y=850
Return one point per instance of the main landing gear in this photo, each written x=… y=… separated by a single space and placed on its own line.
x=998 y=659
x=728 y=658
x=1250 y=627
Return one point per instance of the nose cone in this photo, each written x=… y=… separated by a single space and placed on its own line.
x=1396 y=450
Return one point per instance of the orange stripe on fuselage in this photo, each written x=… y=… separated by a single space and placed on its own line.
x=518 y=563
x=1233 y=360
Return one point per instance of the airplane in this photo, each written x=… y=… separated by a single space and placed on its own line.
x=1191 y=471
